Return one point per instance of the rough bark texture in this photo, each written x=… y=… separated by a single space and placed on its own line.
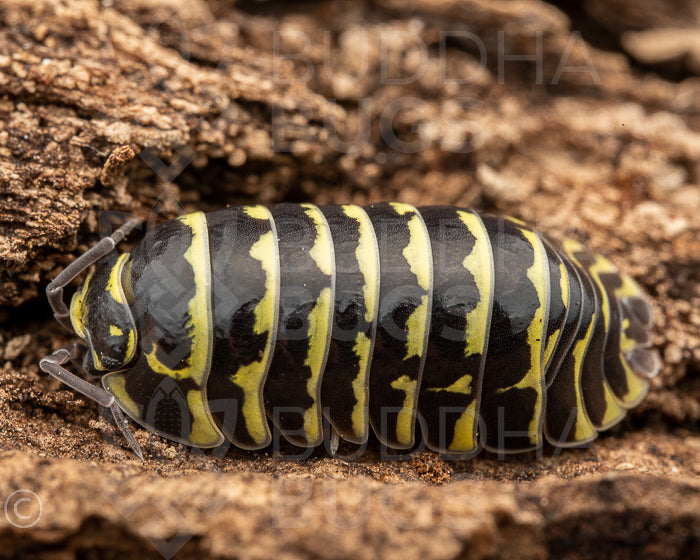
x=152 y=106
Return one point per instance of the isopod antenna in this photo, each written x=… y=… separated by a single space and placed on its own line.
x=54 y=291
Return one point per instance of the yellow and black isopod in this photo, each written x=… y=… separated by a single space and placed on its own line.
x=476 y=329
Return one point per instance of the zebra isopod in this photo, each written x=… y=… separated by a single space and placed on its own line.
x=431 y=323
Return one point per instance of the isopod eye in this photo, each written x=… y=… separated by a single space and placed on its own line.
x=100 y=314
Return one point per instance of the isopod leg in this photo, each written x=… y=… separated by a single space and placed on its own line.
x=52 y=365
x=54 y=291
x=334 y=441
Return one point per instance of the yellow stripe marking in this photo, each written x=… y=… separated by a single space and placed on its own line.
x=564 y=285
x=417 y=252
x=96 y=360
x=201 y=432
x=77 y=309
x=320 y=319
x=401 y=208
x=114 y=284
x=131 y=344
x=116 y=291
x=404 y=420
x=536 y=331
x=463 y=439
x=595 y=270
x=626 y=343
x=556 y=335
x=362 y=349
x=126 y=282
x=637 y=386
x=462 y=385
x=613 y=411
x=159 y=367
x=199 y=307
x=265 y=251
x=248 y=379
x=251 y=377
x=418 y=255
x=115 y=383
x=629 y=288
x=367 y=255
x=76 y=317
x=516 y=221
x=322 y=250
x=584 y=429
x=416 y=325
x=257 y=212
x=480 y=264
x=551 y=344
x=319 y=337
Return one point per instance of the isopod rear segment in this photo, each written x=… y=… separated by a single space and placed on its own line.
x=431 y=322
